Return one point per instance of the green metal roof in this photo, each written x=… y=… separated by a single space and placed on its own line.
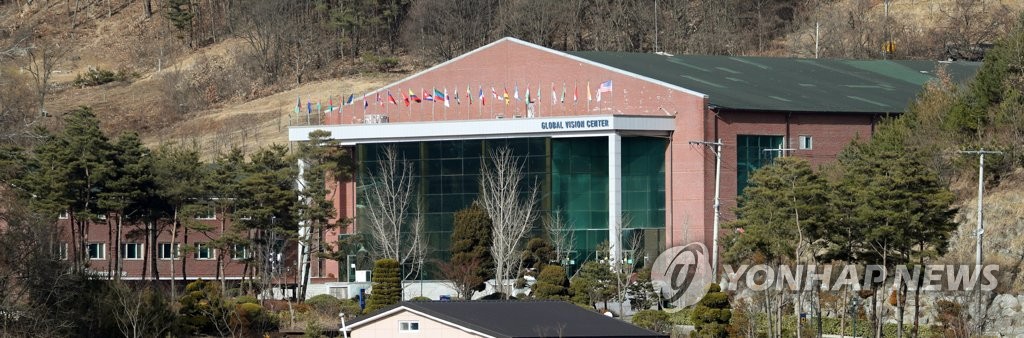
x=790 y=84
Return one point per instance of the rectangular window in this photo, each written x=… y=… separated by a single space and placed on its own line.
x=102 y=217
x=63 y=215
x=97 y=251
x=204 y=251
x=750 y=155
x=805 y=142
x=206 y=213
x=62 y=251
x=166 y=251
x=240 y=251
x=408 y=326
x=131 y=251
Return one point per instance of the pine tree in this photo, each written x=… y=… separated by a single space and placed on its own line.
x=266 y=205
x=179 y=178
x=387 y=285
x=711 y=314
x=131 y=191
x=470 y=245
x=551 y=284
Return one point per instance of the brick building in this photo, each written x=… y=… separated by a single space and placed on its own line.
x=608 y=136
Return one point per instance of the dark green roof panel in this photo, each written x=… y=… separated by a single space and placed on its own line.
x=790 y=84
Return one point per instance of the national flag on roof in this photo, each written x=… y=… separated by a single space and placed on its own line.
x=298 y=104
x=457 y=99
x=589 y=98
x=516 y=95
x=379 y=101
x=554 y=95
x=391 y=98
x=427 y=96
x=405 y=99
x=446 y=99
x=494 y=94
x=563 y=92
x=506 y=96
x=319 y=108
x=575 y=91
x=351 y=97
x=414 y=97
x=309 y=107
x=469 y=94
x=330 y=103
x=439 y=95
x=605 y=87
x=365 y=103
x=528 y=95
x=483 y=99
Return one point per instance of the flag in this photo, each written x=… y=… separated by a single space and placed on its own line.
x=528 y=95
x=330 y=103
x=506 y=96
x=405 y=99
x=575 y=91
x=319 y=109
x=538 y=93
x=517 y=92
x=494 y=94
x=391 y=98
x=554 y=95
x=365 y=103
x=427 y=96
x=298 y=104
x=589 y=98
x=350 y=98
x=457 y=99
x=469 y=94
x=379 y=101
x=446 y=104
x=309 y=107
x=483 y=100
x=563 y=91
x=439 y=96
x=414 y=97
x=605 y=87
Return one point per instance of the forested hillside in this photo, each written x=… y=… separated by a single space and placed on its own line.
x=225 y=72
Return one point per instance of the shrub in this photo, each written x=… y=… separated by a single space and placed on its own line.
x=712 y=313
x=551 y=284
x=653 y=320
x=253 y=319
x=325 y=304
x=99 y=76
x=387 y=285
x=421 y=299
x=246 y=299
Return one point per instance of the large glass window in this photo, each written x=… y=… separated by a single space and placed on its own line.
x=751 y=155
x=579 y=190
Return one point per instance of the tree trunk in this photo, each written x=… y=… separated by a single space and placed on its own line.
x=148 y=5
x=119 y=265
x=110 y=260
x=184 y=260
x=174 y=253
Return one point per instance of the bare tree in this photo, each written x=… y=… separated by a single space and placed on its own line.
x=562 y=236
x=393 y=223
x=42 y=57
x=512 y=208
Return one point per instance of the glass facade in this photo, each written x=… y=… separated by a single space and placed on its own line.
x=751 y=155
x=572 y=174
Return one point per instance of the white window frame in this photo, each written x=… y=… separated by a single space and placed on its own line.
x=240 y=252
x=406 y=326
x=101 y=251
x=205 y=247
x=62 y=251
x=806 y=142
x=176 y=249
x=64 y=214
x=138 y=251
x=208 y=214
x=102 y=217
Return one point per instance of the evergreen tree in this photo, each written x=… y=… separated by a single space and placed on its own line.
x=223 y=183
x=551 y=284
x=325 y=164
x=131 y=191
x=179 y=179
x=470 y=245
x=538 y=253
x=593 y=283
x=387 y=285
x=266 y=205
x=711 y=315
x=641 y=291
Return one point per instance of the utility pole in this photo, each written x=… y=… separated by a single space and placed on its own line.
x=981 y=190
x=715 y=147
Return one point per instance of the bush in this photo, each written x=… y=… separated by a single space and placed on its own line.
x=387 y=285
x=653 y=320
x=381 y=63
x=98 y=76
x=253 y=319
x=325 y=304
x=421 y=299
x=712 y=313
x=551 y=284
x=246 y=299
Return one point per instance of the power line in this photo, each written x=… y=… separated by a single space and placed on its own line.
x=981 y=191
